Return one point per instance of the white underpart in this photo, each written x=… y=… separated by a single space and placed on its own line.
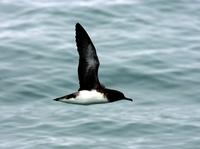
x=86 y=97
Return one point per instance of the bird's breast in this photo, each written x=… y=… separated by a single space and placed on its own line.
x=86 y=97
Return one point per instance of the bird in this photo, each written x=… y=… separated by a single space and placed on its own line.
x=90 y=91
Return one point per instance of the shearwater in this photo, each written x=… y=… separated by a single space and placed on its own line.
x=91 y=91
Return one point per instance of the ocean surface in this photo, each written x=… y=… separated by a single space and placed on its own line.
x=150 y=50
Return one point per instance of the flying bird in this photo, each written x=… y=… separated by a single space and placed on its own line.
x=91 y=91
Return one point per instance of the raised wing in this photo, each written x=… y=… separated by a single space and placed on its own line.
x=88 y=60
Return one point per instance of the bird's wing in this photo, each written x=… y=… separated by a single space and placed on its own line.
x=88 y=60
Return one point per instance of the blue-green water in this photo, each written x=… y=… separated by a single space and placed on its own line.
x=148 y=49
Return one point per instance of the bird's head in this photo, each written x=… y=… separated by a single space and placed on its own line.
x=114 y=95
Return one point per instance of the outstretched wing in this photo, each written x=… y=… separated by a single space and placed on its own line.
x=88 y=60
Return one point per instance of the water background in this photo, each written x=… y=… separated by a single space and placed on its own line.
x=147 y=49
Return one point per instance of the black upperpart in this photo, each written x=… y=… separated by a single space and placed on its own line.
x=88 y=60
x=114 y=95
x=89 y=65
x=88 y=68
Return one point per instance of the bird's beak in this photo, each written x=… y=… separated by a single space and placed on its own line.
x=128 y=99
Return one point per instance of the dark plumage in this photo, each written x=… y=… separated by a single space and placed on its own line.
x=91 y=91
x=88 y=60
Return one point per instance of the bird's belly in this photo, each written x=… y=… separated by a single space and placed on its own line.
x=87 y=97
x=84 y=101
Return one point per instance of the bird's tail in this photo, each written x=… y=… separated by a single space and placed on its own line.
x=57 y=99
x=73 y=95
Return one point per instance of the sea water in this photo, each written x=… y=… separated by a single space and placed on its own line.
x=149 y=50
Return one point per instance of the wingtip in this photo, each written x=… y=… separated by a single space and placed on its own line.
x=81 y=36
x=78 y=25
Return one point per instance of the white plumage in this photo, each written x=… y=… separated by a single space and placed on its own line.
x=86 y=97
x=88 y=76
